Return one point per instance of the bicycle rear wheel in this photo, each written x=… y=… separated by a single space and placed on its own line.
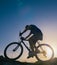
x=46 y=52
x=13 y=51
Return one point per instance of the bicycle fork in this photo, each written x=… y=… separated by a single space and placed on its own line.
x=16 y=48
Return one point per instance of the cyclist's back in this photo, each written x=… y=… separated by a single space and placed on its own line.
x=36 y=31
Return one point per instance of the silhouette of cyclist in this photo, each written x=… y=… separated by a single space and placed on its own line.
x=34 y=35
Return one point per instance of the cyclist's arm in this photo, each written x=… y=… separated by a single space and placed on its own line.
x=24 y=31
x=30 y=35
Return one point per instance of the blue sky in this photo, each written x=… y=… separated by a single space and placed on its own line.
x=15 y=14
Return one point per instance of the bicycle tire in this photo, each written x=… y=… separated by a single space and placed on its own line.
x=37 y=57
x=5 y=51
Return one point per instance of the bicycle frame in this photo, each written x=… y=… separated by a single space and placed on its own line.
x=28 y=48
x=22 y=41
x=25 y=45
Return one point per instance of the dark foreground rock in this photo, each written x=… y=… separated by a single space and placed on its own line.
x=4 y=61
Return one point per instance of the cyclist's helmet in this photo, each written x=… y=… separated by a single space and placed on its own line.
x=27 y=26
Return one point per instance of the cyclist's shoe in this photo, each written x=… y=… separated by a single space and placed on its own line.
x=30 y=55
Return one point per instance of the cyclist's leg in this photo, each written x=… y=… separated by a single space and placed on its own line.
x=32 y=43
x=32 y=49
x=32 y=46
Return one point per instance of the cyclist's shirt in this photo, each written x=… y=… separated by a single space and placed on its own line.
x=35 y=31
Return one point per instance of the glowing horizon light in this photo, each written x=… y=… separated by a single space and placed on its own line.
x=46 y=53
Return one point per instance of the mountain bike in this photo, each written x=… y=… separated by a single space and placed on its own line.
x=14 y=50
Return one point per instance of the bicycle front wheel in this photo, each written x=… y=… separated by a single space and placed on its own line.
x=13 y=51
x=46 y=52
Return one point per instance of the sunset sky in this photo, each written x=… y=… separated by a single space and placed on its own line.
x=15 y=14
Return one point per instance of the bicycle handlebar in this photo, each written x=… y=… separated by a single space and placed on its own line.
x=22 y=38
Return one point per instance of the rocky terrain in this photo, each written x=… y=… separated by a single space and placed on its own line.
x=4 y=61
